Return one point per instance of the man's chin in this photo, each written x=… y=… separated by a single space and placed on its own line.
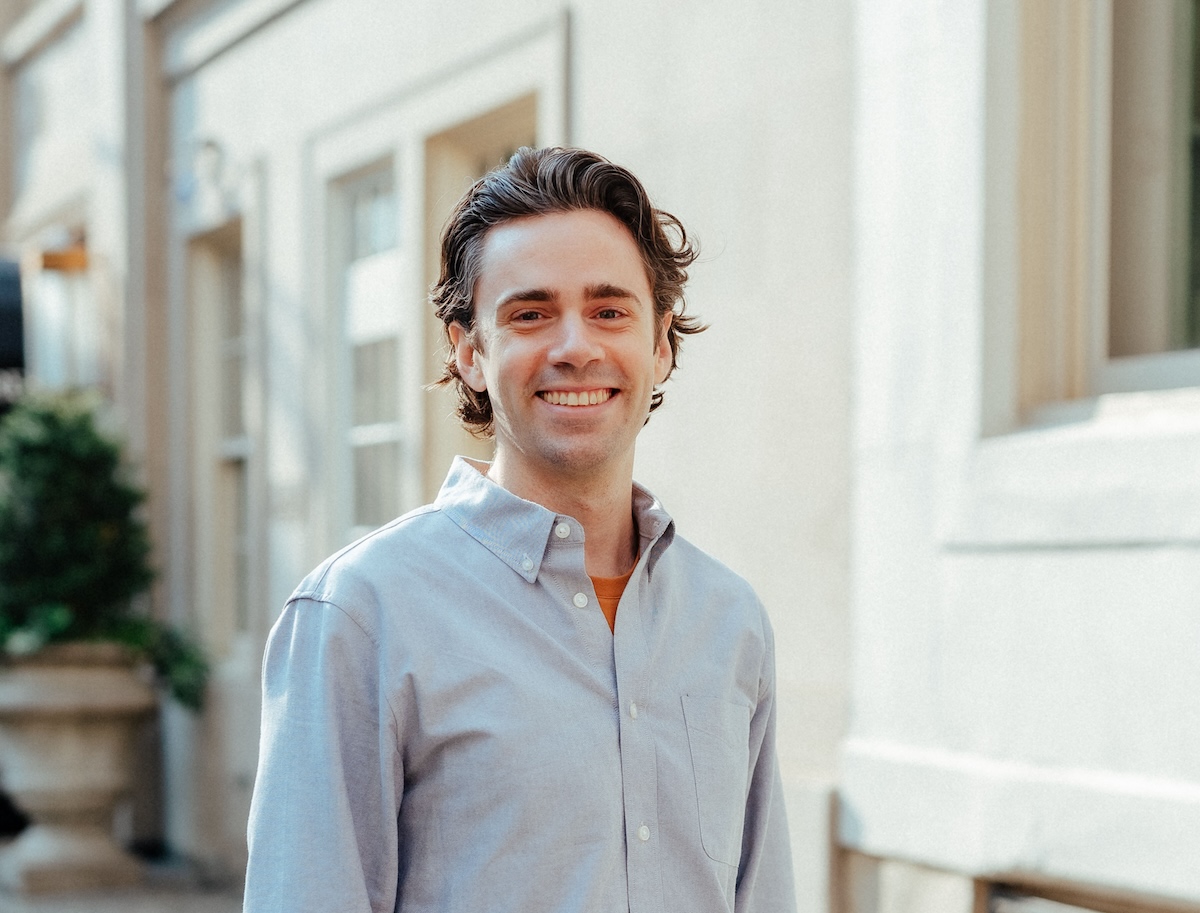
x=579 y=457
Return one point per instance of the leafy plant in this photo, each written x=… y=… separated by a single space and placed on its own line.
x=73 y=549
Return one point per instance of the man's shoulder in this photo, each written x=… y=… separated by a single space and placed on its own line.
x=688 y=554
x=357 y=569
x=693 y=568
x=717 y=613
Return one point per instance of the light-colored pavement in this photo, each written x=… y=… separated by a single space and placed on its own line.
x=170 y=887
x=147 y=900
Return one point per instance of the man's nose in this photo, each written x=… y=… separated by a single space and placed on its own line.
x=575 y=342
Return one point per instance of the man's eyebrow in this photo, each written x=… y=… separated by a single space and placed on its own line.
x=525 y=294
x=607 y=290
x=595 y=291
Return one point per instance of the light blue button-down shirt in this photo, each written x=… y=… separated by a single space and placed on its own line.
x=449 y=725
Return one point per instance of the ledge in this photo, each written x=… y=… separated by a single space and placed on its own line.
x=1117 y=470
x=991 y=819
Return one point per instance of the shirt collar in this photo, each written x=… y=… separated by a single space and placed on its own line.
x=518 y=531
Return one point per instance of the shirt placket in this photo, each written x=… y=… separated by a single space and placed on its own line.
x=639 y=772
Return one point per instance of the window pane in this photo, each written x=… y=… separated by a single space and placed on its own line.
x=231 y=297
x=375 y=378
x=236 y=537
x=1191 y=317
x=373 y=215
x=1151 y=270
x=372 y=294
x=376 y=483
x=232 y=345
x=231 y=393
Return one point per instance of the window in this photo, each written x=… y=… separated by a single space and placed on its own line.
x=221 y=365
x=1153 y=305
x=66 y=335
x=217 y=547
x=391 y=347
x=234 y=448
x=1091 y=118
x=1107 y=439
x=453 y=159
x=385 y=181
x=372 y=331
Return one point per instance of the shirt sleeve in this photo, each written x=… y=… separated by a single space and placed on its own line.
x=323 y=820
x=764 y=881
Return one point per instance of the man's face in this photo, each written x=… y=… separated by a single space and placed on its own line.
x=566 y=343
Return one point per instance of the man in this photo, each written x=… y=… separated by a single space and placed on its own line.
x=531 y=695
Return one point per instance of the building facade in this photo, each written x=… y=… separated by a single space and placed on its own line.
x=946 y=418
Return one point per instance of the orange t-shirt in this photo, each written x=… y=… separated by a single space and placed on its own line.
x=608 y=591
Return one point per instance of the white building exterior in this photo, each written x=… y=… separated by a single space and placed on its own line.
x=946 y=419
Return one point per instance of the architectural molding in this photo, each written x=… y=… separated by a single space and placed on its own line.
x=1068 y=482
x=198 y=38
x=37 y=28
x=994 y=818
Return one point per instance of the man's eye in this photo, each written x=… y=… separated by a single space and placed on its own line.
x=527 y=315
x=609 y=313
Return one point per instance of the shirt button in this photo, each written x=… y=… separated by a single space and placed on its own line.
x=562 y=530
x=580 y=600
x=633 y=709
x=643 y=833
x=527 y=563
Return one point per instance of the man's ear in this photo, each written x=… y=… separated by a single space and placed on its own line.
x=466 y=358
x=662 y=350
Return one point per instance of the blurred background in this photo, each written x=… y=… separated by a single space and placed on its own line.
x=946 y=419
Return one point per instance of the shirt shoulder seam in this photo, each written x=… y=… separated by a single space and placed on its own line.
x=316 y=588
x=316 y=596
x=372 y=638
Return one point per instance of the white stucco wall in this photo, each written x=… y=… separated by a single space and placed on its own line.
x=1024 y=688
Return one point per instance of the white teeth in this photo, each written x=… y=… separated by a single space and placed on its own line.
x=573 y=398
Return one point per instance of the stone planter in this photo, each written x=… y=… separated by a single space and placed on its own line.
x=67 y=719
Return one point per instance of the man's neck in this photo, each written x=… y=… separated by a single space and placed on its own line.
x=602 y=503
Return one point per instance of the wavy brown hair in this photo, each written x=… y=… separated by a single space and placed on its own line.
x=541 y=181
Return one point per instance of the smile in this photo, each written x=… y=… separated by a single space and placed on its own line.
x=576 y=398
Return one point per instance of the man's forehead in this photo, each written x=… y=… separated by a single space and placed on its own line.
x=533 y=244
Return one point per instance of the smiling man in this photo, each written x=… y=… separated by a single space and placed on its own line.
x=530 y=695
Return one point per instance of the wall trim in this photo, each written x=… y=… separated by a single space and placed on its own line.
x=999 y=819
x=195 y=40
x=37 y=28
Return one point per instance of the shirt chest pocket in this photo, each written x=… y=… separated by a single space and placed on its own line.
x=719 y=740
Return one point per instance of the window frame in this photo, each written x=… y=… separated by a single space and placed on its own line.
x=1165 y=275
x=1102 y=452
x=1049 y=211
x=399 y=128
x=226 y=464
x=402 y=431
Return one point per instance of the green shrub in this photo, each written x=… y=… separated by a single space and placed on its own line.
x=73 y=549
